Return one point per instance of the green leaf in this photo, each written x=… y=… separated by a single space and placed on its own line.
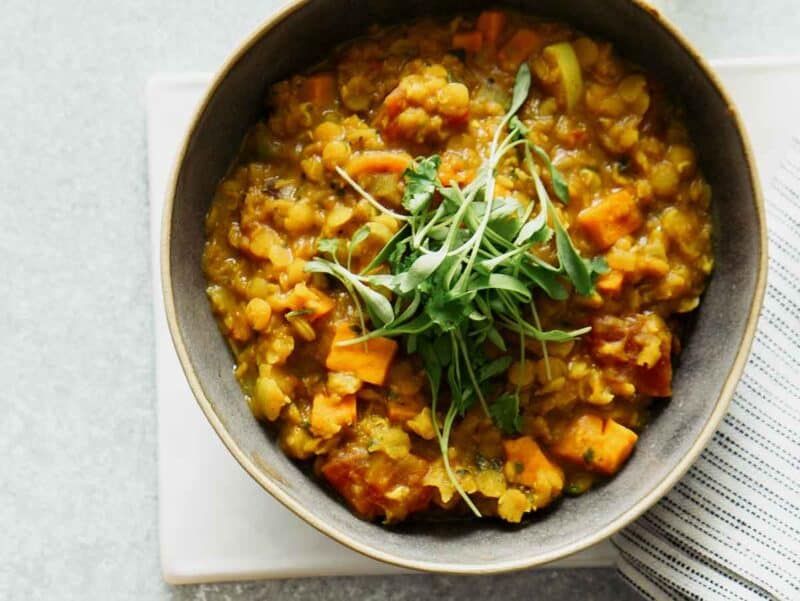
x=571 y=263
x=410 y=309
x=444 y=349
x=522 y=327
x=494 y=368
x=522 y=85
x=503 y=207
x=448 y=311
x=518 y=129
x=500 y=281
x=505 y=413
x=496 y=339
x=452 y=197
x=328 y=246
x=317 y=265
x=384 y=280
x=576 y=268
x=386 y=251
x=401 y=257
x=534 y=231
x=504 y=218
x=422 y=180
x=359 y=236
x=598 y=265
x=378 y=306
x=546 y=279
x=438 y=233
x=420 y=270
x=509 y=260
x=433 y=367
x=560 y=186
x=462 y=398
x=506 y=228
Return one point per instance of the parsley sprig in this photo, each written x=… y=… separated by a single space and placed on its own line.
x=461 y=273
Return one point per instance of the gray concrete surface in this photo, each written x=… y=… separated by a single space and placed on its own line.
x=77 y=432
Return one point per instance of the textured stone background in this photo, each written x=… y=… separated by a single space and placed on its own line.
x=77 y=432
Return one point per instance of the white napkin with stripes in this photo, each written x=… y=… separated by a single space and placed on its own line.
x=730 y=529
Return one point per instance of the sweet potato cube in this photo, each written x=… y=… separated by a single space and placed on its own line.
x=305 y=298
x=404 y=409
x=597 y=444
x=471 y=41
x=610 y=283
x=526 y=464
x=378 y=161
x=611 y=218
x=521 y=45
x=369 y=364
x=319 y=89
x=490 y=24
x=330 y=412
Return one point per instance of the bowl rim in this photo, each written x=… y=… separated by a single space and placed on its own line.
x=643 y=504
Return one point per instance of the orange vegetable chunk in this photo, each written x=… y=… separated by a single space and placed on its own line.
x=471 y=41
x=378 y=161
x=490 y=24
x=526 y=464
x=611 y=282
x=330 y=412
x=319 y=89
x=305 y=298
x=598 y=444
x=404 y=410
x=370 y=364
x=611 y=218
x=370 y=482
x=521 y=45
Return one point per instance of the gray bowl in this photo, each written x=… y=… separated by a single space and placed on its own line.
x=710 y=365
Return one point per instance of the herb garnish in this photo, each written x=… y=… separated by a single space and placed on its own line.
x=461 y=272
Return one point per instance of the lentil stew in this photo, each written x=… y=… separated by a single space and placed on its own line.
x=399 y=129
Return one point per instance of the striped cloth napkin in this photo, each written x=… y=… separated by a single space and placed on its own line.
x=730 y=529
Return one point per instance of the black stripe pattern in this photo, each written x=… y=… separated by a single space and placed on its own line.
x=730 y=529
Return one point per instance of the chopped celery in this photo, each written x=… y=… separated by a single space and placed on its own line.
x=562 y=56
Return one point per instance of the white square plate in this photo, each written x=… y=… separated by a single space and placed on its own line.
x=215 y=522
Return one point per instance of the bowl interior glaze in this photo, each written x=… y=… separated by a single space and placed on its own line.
x=709 y=365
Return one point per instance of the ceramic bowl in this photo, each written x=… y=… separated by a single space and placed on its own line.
x=710 y=364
